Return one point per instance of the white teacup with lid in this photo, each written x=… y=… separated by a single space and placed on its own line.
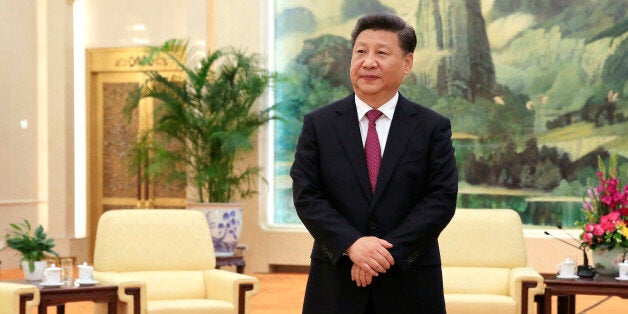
x=86 y=273
x=52 y=275
x=567 y=269
x=623 y=270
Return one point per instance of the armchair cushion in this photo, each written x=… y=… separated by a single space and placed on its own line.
x=172 y=285
x=476 y=280
x=190 y=306
x=482 y=303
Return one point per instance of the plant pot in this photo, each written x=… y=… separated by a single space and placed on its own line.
x=37 y=274
x=225 y=224
x=605 y=260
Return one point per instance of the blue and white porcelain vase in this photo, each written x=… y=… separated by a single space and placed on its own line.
x=225 y=224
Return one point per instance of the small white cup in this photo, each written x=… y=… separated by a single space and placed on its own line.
x=623 y=269
x=86 y=273
x=567 y=269
x=52 y=274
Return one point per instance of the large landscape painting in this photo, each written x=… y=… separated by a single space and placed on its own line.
x=535 y=89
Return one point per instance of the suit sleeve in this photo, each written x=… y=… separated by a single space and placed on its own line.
x=332 y=232
x=419 y=231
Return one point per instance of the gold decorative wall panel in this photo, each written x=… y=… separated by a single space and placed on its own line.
x=113 y=73
x=118 y=137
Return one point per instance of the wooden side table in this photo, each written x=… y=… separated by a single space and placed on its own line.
x=58 y=296
x=51 y=296
x=566 y=290
x=236 y=260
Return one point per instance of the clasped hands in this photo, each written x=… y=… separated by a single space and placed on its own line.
x=370 y=256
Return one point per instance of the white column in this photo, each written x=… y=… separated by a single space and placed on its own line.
x=55 y=93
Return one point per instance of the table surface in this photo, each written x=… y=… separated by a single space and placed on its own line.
x=566 y=290
x=598 y=285
x=52 y=289
x=59 y=295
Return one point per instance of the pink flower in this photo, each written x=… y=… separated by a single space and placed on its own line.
x=608 y=226
x=607 y=222
x=587 y=237
x=614 y=216
x=587 y=205
x=612 y=184
x=608 y=200
x=606 y=209
x=598 y=231
x=624 y=197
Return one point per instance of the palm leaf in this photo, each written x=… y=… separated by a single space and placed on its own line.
x=203 y=120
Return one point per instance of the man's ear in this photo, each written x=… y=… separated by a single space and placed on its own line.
x=408 y=61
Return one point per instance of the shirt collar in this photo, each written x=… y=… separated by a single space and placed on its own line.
x=388 y=108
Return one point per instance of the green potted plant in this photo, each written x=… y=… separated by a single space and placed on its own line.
x=204 y=120
x=32 y=246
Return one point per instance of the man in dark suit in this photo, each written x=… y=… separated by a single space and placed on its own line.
x=375 y=182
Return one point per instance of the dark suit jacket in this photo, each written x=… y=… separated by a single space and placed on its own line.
x=414 y=199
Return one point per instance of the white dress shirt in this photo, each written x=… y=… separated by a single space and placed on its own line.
x=382 y=124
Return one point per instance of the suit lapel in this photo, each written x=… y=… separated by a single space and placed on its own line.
x=348 y=130
x=401 y=129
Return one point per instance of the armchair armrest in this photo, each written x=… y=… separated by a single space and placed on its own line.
x=231 y=287
x=131 y=292
x=525 y=283
x=18 y=298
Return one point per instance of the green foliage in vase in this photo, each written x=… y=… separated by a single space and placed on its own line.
x=204 y=120
x=32 y=245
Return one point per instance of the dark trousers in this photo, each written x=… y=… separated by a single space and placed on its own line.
x=370 y=307
x=331 y=291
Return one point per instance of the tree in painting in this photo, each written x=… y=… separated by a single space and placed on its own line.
x=536 y=90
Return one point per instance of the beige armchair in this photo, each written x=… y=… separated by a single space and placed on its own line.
x=485 y=264
x=169 y=256
x=12 y=296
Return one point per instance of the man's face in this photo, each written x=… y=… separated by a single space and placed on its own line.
x=378 y=66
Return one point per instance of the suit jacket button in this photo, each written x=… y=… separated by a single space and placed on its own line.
x=372 y=225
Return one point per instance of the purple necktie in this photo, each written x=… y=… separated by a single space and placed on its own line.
x=371 y=147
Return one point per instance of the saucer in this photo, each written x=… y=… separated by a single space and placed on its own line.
x=52 y=284
x=621 y=279
x=86 y=282
x=224 y=254
x=567 y=277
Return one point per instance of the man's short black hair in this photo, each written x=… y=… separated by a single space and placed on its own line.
x=387 y=22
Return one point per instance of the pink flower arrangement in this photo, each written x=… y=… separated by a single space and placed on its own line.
x=606 y=210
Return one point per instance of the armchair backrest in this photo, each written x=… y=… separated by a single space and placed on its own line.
x=133 y=240
x=483 y=238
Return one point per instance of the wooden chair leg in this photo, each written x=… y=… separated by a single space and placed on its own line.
x=242 y=297
x=525 y=287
